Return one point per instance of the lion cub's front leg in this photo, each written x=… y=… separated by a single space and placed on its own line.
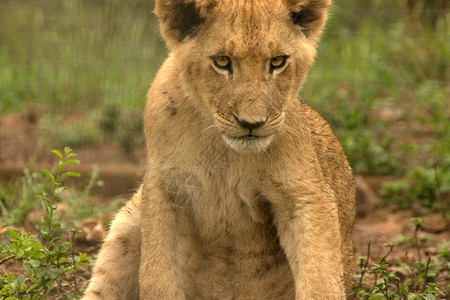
x=161 y=274
x=308 y=227
x=115 y=275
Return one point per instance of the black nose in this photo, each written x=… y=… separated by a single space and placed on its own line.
x=249 y=125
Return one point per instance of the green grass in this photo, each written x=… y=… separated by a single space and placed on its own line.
x=374 y=56
x=76 y=58
x=76 y=54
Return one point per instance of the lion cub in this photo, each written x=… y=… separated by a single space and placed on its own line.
x=247 y=192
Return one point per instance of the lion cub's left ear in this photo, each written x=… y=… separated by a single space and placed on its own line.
x=309 y=15
x=179 y=19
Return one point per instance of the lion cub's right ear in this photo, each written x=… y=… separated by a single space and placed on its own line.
x=180 y=19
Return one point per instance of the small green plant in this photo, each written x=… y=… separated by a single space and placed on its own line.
x=380 y=279
x=50 y=264
x=386 y=284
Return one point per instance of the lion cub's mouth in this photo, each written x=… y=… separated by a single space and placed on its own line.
x=248 y=143
x=248 y=137
x=242 y=135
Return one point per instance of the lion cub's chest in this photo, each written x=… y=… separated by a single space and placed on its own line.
x=231 y=240
x=220 y=210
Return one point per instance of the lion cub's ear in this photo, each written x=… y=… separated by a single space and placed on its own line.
x=180 y=19
x=310 y=15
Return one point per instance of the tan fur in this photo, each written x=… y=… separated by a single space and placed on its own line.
x=221 y=215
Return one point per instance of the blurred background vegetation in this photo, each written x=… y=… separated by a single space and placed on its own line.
x=381 y=79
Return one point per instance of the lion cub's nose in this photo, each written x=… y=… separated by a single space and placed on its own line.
x=249 y=125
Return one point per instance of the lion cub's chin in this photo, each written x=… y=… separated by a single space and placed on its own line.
x=251 y=144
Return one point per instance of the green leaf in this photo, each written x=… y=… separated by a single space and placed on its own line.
x=72 y=161
x=63 y=260
x=5 y=248
x=20 y=253
x=61 y=249
x=50 y=176
x=34 y=263
x=47 y=220
x=377 y=296
x=73 y=174
x=57 y=153
x=55 y=239
x=14 y=233
x=32 y=287
x=47 y=172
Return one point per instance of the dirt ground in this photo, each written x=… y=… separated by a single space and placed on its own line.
x=377 y=223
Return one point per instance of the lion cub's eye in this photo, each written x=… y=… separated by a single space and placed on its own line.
x=278 y=62
x=222 y=62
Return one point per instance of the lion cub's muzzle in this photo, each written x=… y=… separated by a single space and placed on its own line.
x=250 y=125
x=249 y=135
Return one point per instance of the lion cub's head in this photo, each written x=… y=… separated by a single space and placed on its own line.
x=243 y=60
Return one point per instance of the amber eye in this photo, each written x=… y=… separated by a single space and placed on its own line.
x=278 y=62
x=222 y=62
